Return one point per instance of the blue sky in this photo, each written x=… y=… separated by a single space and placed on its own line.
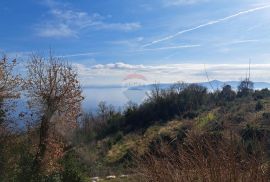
x=165 y=40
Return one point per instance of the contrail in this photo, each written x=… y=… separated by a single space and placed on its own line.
x=79 y=54
x=207 y=24
x=168 y=48
x=140 y=50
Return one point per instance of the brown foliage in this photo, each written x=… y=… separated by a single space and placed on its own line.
x=54 y=89
x=204 y=158
x=54 y=83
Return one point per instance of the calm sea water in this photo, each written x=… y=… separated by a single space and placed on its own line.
x=118 y=97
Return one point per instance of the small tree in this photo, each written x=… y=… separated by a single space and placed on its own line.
x=227 y=94
x=179 y=87
x=104 y=112
x=53 y=86
x=193 y=96
x=245 y=88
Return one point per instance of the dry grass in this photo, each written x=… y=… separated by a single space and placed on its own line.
x=205 y=157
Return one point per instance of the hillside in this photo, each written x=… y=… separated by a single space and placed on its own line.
x=184 y=133
x=117 y=143
x=242 y=114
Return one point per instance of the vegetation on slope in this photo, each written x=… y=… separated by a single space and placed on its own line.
x=184 y=133
x=244 y=113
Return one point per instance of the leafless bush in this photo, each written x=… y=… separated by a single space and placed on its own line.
x=9 y=89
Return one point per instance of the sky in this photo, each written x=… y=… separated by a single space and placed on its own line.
x=163 y=40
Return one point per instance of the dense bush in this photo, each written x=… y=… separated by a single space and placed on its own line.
x=259 y=106
x=180 y=101
x=73 y=170
x=261 y=94
x=2 y=113
x=112 y=126
x=266 y=116
x=227 y=94
x=163 y=105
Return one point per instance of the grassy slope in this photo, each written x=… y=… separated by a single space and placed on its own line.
x=236 y=114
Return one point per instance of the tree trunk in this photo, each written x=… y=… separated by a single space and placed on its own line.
x=43 y=141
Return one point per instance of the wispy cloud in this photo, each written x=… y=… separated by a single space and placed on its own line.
x=181 y=2
x=130 y=43
x=16 y=54
x=55 y=30
x=207 y=24
x=62 y=21
x=118 y=26
x=235 y=42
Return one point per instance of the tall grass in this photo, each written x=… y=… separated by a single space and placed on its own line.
x=205 y=157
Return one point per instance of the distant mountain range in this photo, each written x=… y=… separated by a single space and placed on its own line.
x=216 y=84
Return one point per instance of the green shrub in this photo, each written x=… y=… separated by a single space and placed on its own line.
x=227 y=94
x=238 y=117
x=205 y=120
x=266 y=115
x=119 y=135
x=164 y=105
x=2 y=112
x=73 y=169
x=259 y=106
x=261 y=94
x=252 y=136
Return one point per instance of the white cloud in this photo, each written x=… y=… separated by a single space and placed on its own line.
x=114 y=73
x=118 y=65
x=56 y=30
x=66 y=22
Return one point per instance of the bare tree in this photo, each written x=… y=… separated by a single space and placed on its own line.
x=178 y=87
x=155 y=92
x=9 y=86
x=52 y=85
x=9 y=89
